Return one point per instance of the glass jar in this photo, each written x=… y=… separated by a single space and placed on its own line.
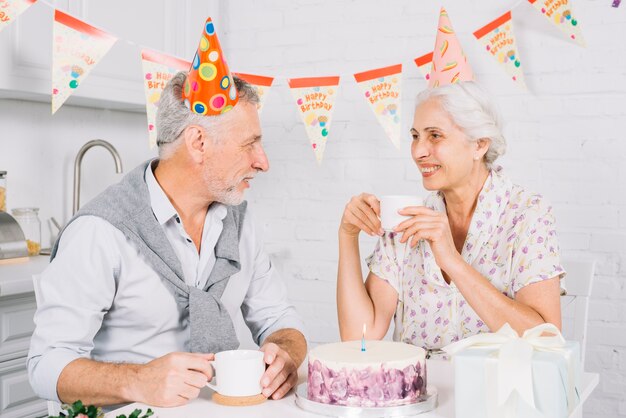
x=3 y=191
x=31 y=226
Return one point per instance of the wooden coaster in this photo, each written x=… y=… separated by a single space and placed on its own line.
x=238 y=400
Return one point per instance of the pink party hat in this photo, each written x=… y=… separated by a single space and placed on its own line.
x=449 y=62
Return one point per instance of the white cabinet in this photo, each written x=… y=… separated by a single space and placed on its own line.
x=16 y=325
x=17 y=399
x=17 y=309
x=168 y=26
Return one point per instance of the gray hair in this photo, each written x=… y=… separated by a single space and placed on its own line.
x=473 y=112
x=173 y=116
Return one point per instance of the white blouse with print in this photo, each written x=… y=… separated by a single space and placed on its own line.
x=511 y=241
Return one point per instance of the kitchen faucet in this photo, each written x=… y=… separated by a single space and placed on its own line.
x=78 y=161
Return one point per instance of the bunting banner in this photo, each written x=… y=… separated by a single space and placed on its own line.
x=558 y=12
x=315 y=98
x=424 y=64
x=498 y=40
x=78 y=47
x=449 y=62
x=381 y=88
x=158 y=69
x=261 y=83
x=11 y=9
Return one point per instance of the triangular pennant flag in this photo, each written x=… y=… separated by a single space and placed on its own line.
x=78 y=47
x=11 y=9
x=381 y=88
x=498 y=40
x=449 y=62
x=425 y=64
x=158 y=69
x=315 y=98
x=560 y=15
x=261 y=83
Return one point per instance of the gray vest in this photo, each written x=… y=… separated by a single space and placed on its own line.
x=126 y=206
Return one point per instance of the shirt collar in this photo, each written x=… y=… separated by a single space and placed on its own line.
x=492 y=202
x=162 y=207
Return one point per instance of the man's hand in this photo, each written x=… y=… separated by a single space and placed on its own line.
x=172 y=380
x=281 y=374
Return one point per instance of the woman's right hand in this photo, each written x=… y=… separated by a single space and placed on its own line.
x=361 y=214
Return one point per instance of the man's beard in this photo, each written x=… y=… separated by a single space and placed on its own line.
x=230 y=196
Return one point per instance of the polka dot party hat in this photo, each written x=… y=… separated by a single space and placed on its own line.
x=449 y=62
x=209 y=88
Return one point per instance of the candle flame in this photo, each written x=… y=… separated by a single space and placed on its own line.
x=364 y=329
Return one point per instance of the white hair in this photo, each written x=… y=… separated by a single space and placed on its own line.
x=473 y=112
x=173 y=116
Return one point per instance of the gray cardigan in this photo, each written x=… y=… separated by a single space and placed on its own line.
x=126 y=206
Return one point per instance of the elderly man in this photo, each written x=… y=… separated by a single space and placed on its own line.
x=146 y=277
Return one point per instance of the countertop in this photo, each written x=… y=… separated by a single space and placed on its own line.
x=16 y=277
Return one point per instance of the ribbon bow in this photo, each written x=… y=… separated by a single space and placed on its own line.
x=513 y=371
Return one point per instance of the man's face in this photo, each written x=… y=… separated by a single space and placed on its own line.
x=236 y=156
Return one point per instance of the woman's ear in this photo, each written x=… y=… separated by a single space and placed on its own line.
x=195 y=142
x=482 y=146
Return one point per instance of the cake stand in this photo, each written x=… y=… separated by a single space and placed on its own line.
x=428 y=403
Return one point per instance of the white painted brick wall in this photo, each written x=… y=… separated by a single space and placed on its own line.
x=566 y=139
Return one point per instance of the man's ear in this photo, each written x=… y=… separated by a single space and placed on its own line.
x=195 y=142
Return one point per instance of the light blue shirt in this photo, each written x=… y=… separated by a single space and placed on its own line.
x=100 y=299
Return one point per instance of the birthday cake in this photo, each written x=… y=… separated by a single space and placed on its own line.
x=385 y=374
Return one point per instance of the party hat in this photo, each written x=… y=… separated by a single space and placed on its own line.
x=449 y=62
x=209 y=88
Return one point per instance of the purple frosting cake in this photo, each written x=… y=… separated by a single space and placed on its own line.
x=385 y=374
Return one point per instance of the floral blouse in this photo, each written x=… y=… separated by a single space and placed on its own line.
x=511 y=241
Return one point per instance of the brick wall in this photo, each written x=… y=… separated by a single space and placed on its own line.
x=566 y=139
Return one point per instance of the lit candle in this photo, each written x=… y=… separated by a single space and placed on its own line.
x=363 y=338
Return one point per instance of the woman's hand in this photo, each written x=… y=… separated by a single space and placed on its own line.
x=432 y=226
x=361 y=214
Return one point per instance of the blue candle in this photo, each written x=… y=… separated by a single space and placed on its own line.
x=363 y=339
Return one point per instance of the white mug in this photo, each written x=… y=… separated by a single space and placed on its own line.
x=389 y=207
x=238 y=372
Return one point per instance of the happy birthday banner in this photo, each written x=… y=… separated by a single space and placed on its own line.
x=315 y=98
x=424 y=64
x=558 y=12
x=158 y=69
x=10 y=10
x=499 y=41
x=260 y=83
x=78 y=47
x=381 y=88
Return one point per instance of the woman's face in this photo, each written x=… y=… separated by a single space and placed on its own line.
x=442 y=152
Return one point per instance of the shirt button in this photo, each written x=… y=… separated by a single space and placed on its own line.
x=188 y=240
x=177 y=219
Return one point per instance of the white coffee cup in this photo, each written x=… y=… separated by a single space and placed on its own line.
x=389 y=207
x=238 y=372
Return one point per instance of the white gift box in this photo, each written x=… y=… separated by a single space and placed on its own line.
x=534 y=377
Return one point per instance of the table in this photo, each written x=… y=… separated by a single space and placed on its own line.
x=440 y=375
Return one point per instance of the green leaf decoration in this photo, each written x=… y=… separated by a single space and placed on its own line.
x=91 y=411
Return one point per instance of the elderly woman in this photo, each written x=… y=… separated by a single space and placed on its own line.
x=481 y=252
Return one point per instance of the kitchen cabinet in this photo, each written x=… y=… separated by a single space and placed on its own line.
x=168 y=26
x=17 y=309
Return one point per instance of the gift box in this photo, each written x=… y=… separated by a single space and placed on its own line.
x=503 y=375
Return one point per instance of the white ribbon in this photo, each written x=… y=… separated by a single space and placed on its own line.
x=511 y=376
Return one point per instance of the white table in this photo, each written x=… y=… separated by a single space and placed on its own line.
x=440 y=375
